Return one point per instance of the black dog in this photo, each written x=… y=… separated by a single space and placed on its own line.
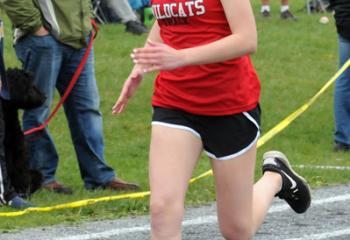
x=24 y=95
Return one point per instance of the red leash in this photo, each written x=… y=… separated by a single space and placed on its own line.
x=71 y=84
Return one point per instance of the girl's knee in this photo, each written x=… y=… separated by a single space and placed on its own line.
x=166 y=217
x=166 y=208
x=157 y=208
x=236 y=231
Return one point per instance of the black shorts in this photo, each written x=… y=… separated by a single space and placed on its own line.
x=223 y=137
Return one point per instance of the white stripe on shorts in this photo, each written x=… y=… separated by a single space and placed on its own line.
x=177 y=127
x=244 y=150
x=252 y=120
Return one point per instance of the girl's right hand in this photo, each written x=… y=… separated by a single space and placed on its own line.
x=129 y=87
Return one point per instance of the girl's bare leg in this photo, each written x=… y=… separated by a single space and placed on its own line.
x=241 y=205
x=173 y=156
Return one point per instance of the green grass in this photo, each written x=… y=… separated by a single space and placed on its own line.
x=294 y=60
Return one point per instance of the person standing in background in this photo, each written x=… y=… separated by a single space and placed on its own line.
x=342 y=85
x=127 y=16
x=50 y=39
x=285 y=13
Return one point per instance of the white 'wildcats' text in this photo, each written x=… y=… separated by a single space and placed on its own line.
x=179 y=9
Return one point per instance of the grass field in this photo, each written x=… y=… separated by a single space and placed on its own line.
x=294 y=60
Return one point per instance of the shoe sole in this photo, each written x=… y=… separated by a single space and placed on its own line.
x=284 y=159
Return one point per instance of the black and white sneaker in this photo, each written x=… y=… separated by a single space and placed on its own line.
x=295 y=190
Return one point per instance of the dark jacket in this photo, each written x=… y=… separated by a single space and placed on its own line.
x=342 y=16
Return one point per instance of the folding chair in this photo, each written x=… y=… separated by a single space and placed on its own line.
x=318 y=5
x=98 y=11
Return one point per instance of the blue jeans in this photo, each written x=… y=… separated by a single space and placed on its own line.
x=53 y=64
x=342 y=96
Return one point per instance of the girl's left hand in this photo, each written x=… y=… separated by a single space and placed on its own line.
x=157 y=56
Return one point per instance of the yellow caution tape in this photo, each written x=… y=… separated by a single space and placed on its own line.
x=285 y=122
x=76 y=204
x=266 y=137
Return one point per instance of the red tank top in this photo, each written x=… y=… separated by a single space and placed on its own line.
x=221 y=88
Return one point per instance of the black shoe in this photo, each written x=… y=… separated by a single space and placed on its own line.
x=265 y=14
x=341 y=147
x=135 y=27
x=287 y=15
x=295 y=190
x=57 y=188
